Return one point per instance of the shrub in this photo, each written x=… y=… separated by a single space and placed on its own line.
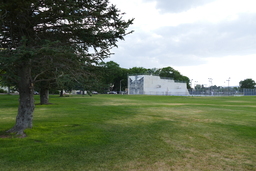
x=2 y=91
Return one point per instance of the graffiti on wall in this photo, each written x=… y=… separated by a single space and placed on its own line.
x=136 y=84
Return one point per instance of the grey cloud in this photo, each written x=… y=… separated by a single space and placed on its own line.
x=188 y=44
x=174 y=6
x=141 y=49
x=212 y=40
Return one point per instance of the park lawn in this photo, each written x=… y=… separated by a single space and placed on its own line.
x=126 y=132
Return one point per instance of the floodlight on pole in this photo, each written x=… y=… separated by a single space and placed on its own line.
x=196 y=83
x=228 y=84
x=191 y=83
x=210 y=87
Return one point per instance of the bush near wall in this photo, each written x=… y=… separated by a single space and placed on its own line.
x=2 y=91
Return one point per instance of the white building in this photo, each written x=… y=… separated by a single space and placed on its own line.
x=154 y=85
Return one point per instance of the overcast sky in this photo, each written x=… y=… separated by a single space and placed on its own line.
x=200 y=38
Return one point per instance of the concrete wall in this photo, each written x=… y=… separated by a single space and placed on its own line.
x=154 y=85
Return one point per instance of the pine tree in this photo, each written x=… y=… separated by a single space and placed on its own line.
x=56 y=36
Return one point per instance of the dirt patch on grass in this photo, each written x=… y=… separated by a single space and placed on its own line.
x=114 y=102
x=43 y=104
x=137 y=165
x=163 y=113
x=239 y=101
x=173 y=104
x=203 y=120
x=128 y=102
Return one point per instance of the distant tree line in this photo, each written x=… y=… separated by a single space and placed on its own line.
x=111 y=77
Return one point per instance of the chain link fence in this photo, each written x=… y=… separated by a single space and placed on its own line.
x=222 y=92
x=249 y=92
x=206 y=92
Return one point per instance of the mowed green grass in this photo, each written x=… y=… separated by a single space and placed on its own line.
x=125 y=132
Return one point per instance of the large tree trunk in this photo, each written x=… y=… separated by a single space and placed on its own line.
x=61 y=93
x=44 y=96
x=26 y=102
x=9 y=90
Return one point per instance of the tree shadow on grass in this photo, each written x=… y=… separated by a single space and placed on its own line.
x=8 y=135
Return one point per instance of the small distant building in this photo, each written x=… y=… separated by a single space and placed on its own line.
x=154 y=85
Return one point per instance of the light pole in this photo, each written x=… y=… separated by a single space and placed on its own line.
x=210 y=81
x=120 y=85
x=228 y=84
x=191 y=86
x=196 y=87
x=196 y=83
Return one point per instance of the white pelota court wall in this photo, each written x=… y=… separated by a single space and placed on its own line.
x=154 y=85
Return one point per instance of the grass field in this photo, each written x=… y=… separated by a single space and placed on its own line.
x=121 y=132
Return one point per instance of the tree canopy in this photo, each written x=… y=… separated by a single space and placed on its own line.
x=247 y=83
x=58 y=33
x=169 y=72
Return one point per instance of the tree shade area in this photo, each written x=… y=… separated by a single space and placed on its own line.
x=41 y=41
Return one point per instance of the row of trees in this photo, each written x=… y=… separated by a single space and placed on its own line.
x=109 y=76
x=106 y=76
